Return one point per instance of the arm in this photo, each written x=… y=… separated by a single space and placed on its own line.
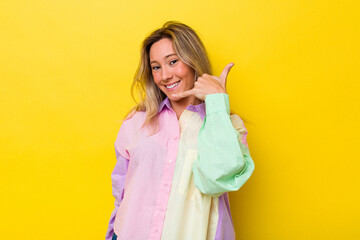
x=223 y=163
x=118 y=182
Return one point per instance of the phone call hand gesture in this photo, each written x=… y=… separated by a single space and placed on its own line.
x=207 y=84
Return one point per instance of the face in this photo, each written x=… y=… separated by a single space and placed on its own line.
x=170 y=74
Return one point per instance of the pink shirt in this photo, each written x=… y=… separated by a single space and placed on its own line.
x=174 y=184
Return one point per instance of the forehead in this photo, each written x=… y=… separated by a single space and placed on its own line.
x=161 y=49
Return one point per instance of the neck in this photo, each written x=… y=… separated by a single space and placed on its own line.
x=180 y=106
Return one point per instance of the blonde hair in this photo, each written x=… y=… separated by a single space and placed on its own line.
x=189 y=49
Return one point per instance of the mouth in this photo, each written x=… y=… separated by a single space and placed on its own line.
x=172 y=86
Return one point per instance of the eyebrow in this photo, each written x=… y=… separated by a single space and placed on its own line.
x=171 y=54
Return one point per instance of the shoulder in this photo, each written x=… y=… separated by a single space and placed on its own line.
x=239 y=126
x=133 y=122
x=135 y=118
x=130 y=128
x=236 y=120
x=237 y=123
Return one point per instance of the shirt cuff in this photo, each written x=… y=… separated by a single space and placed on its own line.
x=217 y=102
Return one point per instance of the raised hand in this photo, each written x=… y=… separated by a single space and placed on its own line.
x=207 y=84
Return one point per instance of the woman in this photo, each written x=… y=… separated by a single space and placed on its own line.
x=179 y=151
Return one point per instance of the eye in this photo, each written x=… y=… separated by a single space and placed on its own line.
x=156 y=67
x=172 y=62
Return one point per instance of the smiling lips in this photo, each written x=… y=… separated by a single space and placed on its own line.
x=172 y=86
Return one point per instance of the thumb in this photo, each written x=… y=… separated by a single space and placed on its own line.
x=187 y=93
x=226 y=71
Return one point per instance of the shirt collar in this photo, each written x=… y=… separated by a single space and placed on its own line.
x=200 y=108
x=165 y=102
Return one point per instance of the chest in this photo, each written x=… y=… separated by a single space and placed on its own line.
x=175 y=137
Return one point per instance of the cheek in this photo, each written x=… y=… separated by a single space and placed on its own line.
x=184 y=71
x=156 y=77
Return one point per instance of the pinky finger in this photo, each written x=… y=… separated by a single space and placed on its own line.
x=179 y=96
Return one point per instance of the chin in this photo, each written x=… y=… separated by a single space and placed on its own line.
x=171 y=98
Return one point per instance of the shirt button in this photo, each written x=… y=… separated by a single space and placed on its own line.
x=170 y=160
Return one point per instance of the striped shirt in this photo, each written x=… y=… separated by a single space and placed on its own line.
x=173 y=185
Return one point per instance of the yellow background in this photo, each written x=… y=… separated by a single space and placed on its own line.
x=66 y=67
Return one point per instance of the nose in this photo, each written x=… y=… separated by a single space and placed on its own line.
x=166 y=74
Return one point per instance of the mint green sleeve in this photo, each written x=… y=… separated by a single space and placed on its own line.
x=223 y=163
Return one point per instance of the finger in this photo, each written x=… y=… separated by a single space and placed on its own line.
x=184 y=94
x=226 y=71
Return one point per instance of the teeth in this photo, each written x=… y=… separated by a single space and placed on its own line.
x=173 y=85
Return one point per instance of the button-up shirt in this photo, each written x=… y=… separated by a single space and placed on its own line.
x=173 y=185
